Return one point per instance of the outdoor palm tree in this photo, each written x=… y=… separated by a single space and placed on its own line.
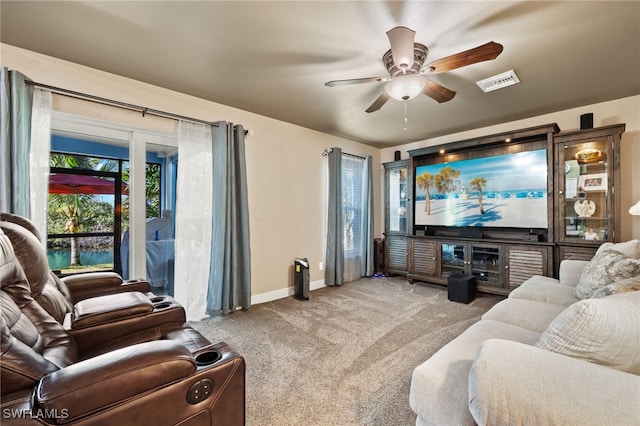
x=477 y=183
x=69 y=210
x=76 y=213
x=425 y=181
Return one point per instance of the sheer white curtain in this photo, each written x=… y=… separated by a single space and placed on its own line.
x=25 y=141
x=39 y=159
x=352 y=175
x=193 y=218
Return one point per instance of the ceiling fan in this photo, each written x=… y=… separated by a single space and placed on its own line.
x=408 y=74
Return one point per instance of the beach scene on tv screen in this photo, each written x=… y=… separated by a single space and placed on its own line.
x=500 y=191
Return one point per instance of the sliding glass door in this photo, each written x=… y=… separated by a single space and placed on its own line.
x=84 y=221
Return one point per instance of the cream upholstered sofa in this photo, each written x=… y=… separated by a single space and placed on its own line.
x=556 y=351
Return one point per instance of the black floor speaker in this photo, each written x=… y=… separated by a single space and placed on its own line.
x=378 y=255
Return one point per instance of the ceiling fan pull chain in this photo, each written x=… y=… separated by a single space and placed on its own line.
x=406 y=120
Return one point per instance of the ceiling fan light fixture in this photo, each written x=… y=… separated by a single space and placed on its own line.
x=405 y=87
x=401 y=40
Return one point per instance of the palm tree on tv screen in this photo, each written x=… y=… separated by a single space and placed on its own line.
x=446 y=182
x=425 y=181
x=477 y=183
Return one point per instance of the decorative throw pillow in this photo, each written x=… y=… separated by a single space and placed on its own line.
x=603 y=331
x=630 y=248
x=605 y=268
x=623 y=286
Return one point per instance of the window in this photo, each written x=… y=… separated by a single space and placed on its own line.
x=89 y=211
x=352 y=175
x=84 y=213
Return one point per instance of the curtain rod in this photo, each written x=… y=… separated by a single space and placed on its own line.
x=328 y=150
x=132 y=107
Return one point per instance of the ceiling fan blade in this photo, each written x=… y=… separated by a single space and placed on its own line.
x=334 y=83
x=402 y=40
x=377 y=104
x=438 y=92
x=486 y=52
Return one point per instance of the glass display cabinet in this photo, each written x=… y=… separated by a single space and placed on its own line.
x=396 y=184
x=397 y=214
x=587 y=175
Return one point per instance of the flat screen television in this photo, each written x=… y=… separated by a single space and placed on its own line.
x=505 y=191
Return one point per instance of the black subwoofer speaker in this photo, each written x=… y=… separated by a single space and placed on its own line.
x=462 y=288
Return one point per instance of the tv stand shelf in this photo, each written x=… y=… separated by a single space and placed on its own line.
x=498 y=265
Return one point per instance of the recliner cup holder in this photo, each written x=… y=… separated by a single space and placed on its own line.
x=157 y=299
x=162 y=305
x=208 y=358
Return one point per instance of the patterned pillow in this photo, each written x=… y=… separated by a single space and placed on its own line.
x=602 y=331
x=623 y=286
x=630 y=248
x=605 y=268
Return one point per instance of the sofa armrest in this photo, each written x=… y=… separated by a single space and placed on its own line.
x=570 y=271
x=93 y=284
x=512 y=383
x=100 y=382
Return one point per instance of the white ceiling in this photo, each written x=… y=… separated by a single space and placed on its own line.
x=273 y=58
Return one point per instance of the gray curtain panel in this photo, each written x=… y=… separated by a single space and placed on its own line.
x=334 y=256
x=15 y=142
x=366 y=258
x=230 y=270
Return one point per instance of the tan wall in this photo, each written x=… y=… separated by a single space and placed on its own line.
x=626 y=110
x=286 y=169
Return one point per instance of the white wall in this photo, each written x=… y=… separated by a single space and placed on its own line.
x=286 y=169
x=626 y=110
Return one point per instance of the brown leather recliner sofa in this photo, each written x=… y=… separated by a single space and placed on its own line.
x=164 y=374
x=120 y=317
x=73 y=288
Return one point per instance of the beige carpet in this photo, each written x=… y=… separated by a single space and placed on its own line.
x=345 y=357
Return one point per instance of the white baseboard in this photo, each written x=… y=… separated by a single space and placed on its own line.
x=282 y=293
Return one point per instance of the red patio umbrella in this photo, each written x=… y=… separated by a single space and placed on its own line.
x=62 y=183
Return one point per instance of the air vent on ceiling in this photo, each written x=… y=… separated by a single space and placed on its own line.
x=499 y=81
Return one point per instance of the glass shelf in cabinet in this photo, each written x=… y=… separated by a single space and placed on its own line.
x=485 y=270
